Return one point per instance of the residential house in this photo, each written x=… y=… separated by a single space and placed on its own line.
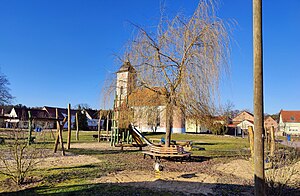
x=20 y=116
x=244 y=115
x=4 y=112
x=289 y=122
x=269 y=122
x=92 y=118
x=240 y=123
x=245 y=119
x=62 y=113
x=198 y=126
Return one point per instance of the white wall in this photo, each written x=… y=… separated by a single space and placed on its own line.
x=290 y=128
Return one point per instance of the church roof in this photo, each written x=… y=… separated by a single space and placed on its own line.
x=146 y=97
x=126 y=67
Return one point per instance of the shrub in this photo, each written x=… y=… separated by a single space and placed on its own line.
x=281 y=176
x=18 y=158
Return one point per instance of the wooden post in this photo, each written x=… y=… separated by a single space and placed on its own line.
x=272 y=143
x=99 y=126
x=29 y=127
x=107 y=122
x=113 y=130
x=251 y=141
x=52 y=134
x=123 y=136
x=77 y=128
x=117 y=135
x=57 y=132
x=112 y=136
x=59 y=138
x=69 y=127
x=243 y=134
x=127 y=138
x=259 y=174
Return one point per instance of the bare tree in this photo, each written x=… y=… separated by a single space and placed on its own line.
x=184 y=59
x=5 y=96
x=18 y=158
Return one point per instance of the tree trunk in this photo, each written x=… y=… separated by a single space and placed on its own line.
x=169 y=123
x=272 y=143
x=259 y=175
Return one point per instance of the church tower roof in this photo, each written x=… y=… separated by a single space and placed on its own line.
x=126 y=67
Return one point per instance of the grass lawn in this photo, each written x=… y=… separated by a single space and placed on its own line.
x=215 y=146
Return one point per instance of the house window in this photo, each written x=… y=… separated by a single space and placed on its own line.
x=292 y=118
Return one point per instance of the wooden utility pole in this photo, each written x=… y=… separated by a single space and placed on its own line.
x=259 y=175
x=69 y=127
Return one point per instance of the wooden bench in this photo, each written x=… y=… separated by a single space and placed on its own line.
x=174 y=151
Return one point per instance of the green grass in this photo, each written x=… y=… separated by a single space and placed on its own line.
x=77 y=179
x=215 y=146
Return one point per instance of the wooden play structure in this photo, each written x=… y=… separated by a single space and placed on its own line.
x=123 y=135
x=104 y=130
x=129 y=137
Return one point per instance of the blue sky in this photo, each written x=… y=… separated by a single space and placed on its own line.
x=56 y=52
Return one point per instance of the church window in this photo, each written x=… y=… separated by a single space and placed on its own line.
x=121 y=90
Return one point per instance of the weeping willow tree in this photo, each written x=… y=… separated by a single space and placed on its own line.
x=185 y=58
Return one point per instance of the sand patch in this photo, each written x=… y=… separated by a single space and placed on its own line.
x=240 y=168
x=188 y=183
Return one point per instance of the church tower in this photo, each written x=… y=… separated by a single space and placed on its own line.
x=126 y=79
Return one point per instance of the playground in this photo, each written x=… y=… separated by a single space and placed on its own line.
x=92 y=167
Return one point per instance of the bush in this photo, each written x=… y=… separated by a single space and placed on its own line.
x=18 y=158
x=281 y=175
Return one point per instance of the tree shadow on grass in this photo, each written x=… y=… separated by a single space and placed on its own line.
x=82 y=151
x=204 y=143
x=74 y=167
x=157 y=187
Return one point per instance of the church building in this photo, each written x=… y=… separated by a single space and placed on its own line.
x=141 y=106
